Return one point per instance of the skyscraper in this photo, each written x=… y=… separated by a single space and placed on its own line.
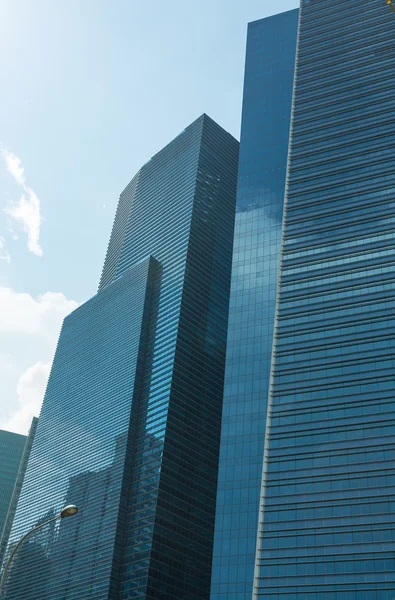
x=11 y=451
x=130 y=424
x=269 y=74
x=13 y=502
x=327 y=522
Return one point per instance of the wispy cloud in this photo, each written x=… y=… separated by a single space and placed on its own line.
x=26 y=211
x=14 y=166
x=4 y=254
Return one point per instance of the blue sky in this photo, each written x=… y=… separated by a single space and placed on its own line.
x=91 y=89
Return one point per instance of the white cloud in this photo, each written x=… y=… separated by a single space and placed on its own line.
x=27 y=213
x=4 y=254
x=30 y=391
x=27 y=210
x=14 y=166
x=20 y=312
x=29 y=330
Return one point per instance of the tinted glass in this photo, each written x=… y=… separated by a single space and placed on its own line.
x=130 y=426
x=11 y=451
x=328 y=518
x=269 y=73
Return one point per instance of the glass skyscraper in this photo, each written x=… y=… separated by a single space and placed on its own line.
x=130 y=425
x=8 y=443
x=11 y=451
x=327 y=520
x=269 y=75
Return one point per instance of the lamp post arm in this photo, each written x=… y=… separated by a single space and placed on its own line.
x=8 y=563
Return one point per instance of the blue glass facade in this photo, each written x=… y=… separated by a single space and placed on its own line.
x=11 y=451
x=81 y=448
x=269 y=74
x=130 y=425
x=182 y=209
x=18 y=484
x=327 y=528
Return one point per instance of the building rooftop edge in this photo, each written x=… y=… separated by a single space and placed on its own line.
x=204 y=116
x=284 y=12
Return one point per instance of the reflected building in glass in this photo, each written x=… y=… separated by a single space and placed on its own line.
x=130 y=425
x=268 y=84
x=327 y=526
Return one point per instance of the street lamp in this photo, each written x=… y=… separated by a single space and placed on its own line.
x=67 y=511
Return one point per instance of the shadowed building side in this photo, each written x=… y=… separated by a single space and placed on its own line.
x=131 y=419
x=269 y=73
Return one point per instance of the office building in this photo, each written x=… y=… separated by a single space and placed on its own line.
x=11 y=451
x=269 y=74
x=13 y=502
x=327 y=519
x=130 y=425
x=325 y=526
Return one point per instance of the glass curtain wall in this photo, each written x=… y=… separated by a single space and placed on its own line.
x=328 y=498
x=269 y=74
